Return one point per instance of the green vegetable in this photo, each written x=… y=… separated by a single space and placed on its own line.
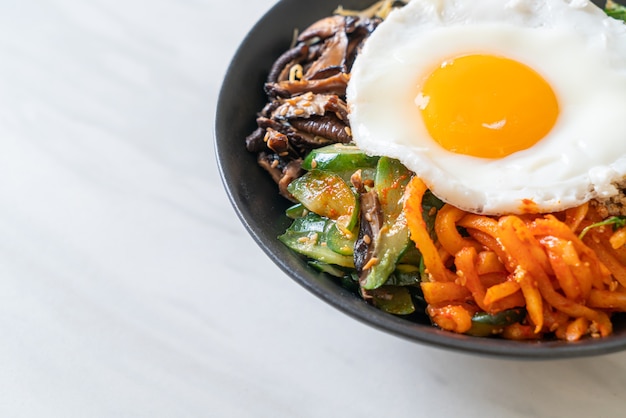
x=411 y=256
x=393 y=239
x=338 y=158
x=341 y=242
x=328 y=195
x=326 y=220
x=484 y=324
x=431 y=204
x=392 y=299
x=345 y=275
x=309 y=236
x=296 y=211
x=404 y=275
x=615 y=10
x=328 y=268
x=617 y=222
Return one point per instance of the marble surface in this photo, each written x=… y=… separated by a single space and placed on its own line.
x=122 y=293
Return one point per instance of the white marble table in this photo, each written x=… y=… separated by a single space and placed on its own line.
x=122 y=293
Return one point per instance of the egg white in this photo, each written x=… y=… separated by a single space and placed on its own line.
x=572 y=44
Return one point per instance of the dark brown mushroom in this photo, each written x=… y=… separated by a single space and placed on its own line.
x=255 y=142
x=292 y=171
x=335 y=84
x=362 y=30
x=282 y=172
x=371 y=223
x=323 y=28
x=328 y=127
x=306 y=89
x=309 y=104
x=281 y=67
x=333 y=57
x=277 y=142
x=272 y=163
x=299 y=140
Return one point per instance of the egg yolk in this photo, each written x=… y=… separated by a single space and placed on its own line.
x=487 y=106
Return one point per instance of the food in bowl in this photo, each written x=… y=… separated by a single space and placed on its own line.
x=474 y=247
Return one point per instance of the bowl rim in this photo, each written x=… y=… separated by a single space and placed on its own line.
x=295 y=267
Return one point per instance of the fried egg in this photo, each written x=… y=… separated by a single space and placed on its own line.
x=500 y=106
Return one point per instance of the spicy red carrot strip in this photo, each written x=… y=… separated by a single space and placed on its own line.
x=419 y=232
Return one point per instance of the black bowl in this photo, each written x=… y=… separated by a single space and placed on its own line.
x=261 y=210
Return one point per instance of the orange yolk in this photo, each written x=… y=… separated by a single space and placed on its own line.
x=487 y=106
